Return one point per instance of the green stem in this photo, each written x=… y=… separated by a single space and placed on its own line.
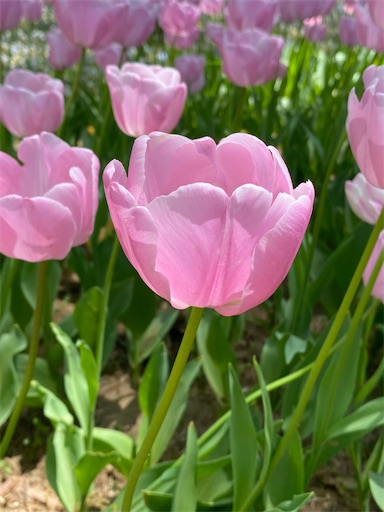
x=104 y=304
x=9 y=269
x=319 y=363
x=165 y=402
x=239 y=109
x=72 y=97
x=33 y=350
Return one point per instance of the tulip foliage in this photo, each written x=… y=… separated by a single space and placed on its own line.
x=193 y=192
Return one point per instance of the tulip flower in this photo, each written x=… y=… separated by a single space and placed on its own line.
x=88 y=24
x=314 y=29
x=206 y=225
x=31 y=102
x=11 y=12
x=211 y=7
x=292 y=10
x=250 y=57
x=48 y=205
x=378 y=287
x=242 y=14
x=32 y=9
x=365 y=126
x=179 y=23
x=109 y=56
x=191 y=68
x=62 y=53
x=145 y=98
x=370 y=35
x=376 y=8
x=365 y=200
x=134 y=24
x=348 y=31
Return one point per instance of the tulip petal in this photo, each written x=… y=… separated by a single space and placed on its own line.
x=284 y=225
x=209 y=240
x=29 y=228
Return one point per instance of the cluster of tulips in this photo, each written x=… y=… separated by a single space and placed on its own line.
x=206 y=224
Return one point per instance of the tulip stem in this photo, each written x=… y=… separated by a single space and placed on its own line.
x=10 y=269
x=72 y=97
x=162 y=408
x=319 y=363
x=33 y=350
x=104 y=305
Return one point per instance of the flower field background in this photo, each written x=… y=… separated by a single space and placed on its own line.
x=192 y=174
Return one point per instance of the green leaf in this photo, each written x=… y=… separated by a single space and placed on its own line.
x=215 y=351
x=290 y=470
x=153 y=381
x=10 y=344
x=106 y=439
x=88 y=365
x=64 y=450
x=87 y=313
x=294 y=505
x=293 y=346
x=351 y=428
x=54 y=409
x=243 y=441
x=185 y=493
x=155 y=333
x=360 y=422
x=268 y=421
x=376 y=484
x=76 y=386
x=159 y=502
x=176 y=410
x=335 y=392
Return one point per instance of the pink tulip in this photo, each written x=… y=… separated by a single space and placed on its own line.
x=11 y=12
x=31 y=102
x=242 y=14
x=145 y=98
x=32 y=9
x=89 y=23
x=62 y=53
x=348 y=31
x=365 y=200
x=206 y=225
x=378 y=287
x=48 y=205
x=108 y=56
x=135 y=23
x=292 y=10
x=179 y=23
x=250 y=57
x=365 y=126
x=376 y=8
x=211 y=7
x=314 y=29
x=370 y=35
x=191 y=68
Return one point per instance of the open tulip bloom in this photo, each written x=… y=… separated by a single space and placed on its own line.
x=206 y=225
x=48 y=205
x=365 y=126
x=145 y=98
x=31 y=102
